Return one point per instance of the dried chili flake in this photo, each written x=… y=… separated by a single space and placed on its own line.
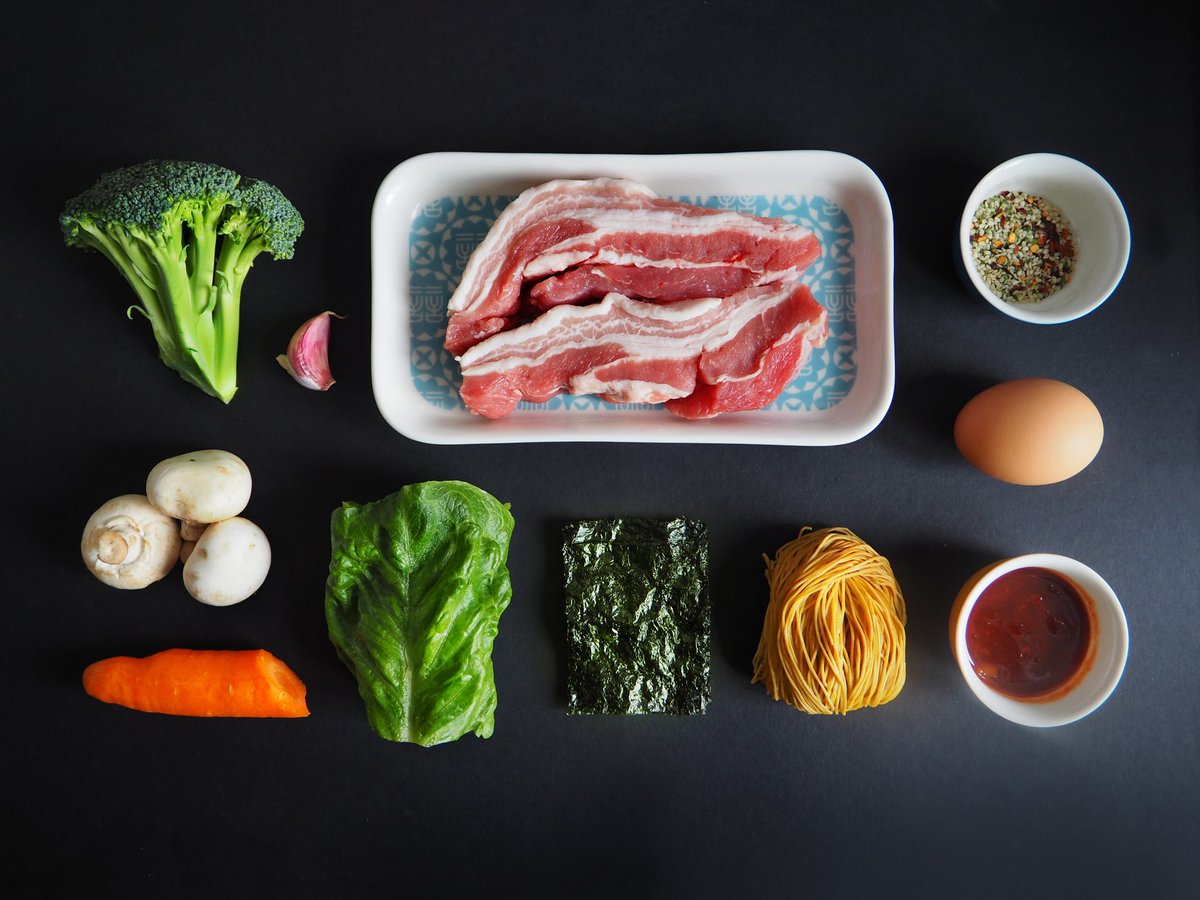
x=1022 y=246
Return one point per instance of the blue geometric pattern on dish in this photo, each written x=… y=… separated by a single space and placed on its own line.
x=445 y=233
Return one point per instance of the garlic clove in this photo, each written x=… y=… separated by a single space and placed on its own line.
x=307 y=357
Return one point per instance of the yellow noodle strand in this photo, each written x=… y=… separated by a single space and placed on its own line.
x=833 y=632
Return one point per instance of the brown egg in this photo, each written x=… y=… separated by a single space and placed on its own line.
x=1030 y=431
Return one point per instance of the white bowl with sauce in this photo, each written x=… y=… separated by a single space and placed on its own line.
x=1098 y=222
x=1083 y=684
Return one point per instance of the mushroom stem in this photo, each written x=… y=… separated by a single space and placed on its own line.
x=191 y=531
x=112 y=548
x=120 y=542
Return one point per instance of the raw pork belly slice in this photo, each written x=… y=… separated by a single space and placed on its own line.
x=488 y=295
x=563 y=224
x=630 y=351
x=661 y=284
x=751 y=372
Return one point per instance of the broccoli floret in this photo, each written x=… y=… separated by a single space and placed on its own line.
x=185 y=235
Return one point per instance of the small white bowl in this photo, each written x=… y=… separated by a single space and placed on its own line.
x=1099 y=225
x=1110 y=637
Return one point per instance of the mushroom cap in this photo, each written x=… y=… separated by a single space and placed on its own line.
x=203 y=486
x=128 y=543
x=229 y=562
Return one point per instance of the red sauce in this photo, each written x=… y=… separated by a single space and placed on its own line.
x=1029 y=634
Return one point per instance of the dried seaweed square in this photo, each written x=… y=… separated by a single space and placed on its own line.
x=638 y=616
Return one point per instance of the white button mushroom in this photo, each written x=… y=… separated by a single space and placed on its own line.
x=128 y=543
x=199 y=488
x=229 y=562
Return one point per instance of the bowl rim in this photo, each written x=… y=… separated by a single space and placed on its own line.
x=1021 y=712
x=1083 y=172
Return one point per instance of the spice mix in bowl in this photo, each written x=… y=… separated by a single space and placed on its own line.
x=1044 y=238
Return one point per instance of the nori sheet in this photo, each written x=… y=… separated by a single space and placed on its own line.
x=638 y=616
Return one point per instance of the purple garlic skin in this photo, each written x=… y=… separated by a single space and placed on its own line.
x=307 y=357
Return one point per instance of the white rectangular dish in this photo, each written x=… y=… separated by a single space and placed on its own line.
x=432 y=210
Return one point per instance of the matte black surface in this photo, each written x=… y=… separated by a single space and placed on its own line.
x=931 y=795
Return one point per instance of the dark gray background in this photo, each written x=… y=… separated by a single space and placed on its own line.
x=931 y=795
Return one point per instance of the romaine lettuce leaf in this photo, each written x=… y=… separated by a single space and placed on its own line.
x=417 y=583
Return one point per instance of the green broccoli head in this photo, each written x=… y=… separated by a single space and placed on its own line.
x=262 y=211
x=151 y=196
x=184 y=235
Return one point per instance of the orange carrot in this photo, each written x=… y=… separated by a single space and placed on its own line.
x=200 y=683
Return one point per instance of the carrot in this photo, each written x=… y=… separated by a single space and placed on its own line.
x=199 y=683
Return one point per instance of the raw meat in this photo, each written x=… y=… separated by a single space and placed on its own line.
x=564 y=224
x=778 y=353
x=631 y=351
x=662 y=284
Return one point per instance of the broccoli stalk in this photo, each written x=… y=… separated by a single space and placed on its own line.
x=185 y=235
